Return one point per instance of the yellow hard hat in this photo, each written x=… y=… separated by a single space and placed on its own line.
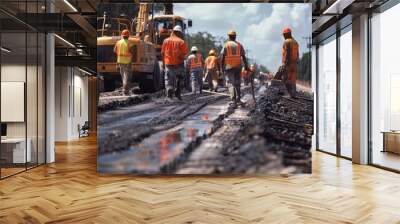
x=232 y=33
x=212 y=52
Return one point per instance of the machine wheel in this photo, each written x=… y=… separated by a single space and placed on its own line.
x=151 y=85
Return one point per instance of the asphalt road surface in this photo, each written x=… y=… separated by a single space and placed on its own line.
x=145 y=134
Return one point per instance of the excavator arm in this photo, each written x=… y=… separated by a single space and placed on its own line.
x=142 y=18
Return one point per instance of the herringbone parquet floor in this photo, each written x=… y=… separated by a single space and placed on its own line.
x=70 y=191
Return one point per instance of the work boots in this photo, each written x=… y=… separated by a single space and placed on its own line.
x=178 y=94
x=170 y=93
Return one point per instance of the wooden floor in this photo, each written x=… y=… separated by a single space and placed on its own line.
x=70 y=191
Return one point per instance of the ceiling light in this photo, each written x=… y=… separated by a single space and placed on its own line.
x=65 y=41
x=5 y=50
x=338 y=6
x=70 y=5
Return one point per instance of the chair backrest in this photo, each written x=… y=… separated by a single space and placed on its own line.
x=86 y=125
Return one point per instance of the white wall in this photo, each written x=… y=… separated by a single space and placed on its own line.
x=33 y=127
x=71 y=102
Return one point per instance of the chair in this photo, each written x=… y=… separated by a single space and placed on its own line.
x=84 y=130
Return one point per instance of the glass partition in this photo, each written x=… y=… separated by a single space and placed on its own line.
x=385 y=89
x=346 y=92
x=13 y=95
x=22 y=101
x=327 y=95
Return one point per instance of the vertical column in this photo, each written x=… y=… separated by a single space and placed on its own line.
x=50 y=92
x=360 y=90
x=314 y=89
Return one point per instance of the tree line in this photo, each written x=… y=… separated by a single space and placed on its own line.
x=206 y=41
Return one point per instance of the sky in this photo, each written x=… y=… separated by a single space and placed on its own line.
x=258 y=25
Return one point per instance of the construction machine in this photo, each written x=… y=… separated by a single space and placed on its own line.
x=163 y=25
x=149 y=31
x=145 y=65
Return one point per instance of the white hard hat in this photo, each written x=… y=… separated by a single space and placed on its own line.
x=194 y=48
x=177 y=28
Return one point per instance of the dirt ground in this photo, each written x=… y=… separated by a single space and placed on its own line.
x=145 y=134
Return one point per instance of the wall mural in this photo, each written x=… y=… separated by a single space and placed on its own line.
x=199 y=88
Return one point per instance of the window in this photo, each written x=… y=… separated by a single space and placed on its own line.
x=327 y=95
x=385 y=89
x=346 y=92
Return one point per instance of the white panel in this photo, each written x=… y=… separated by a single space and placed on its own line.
x=395 y=102
x=12 y=101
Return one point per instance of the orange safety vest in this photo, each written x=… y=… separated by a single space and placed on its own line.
x=233 y=59
x=174 y=50
x=293 y=47
x=211 y=62
x=122 y=49
x=196 y=62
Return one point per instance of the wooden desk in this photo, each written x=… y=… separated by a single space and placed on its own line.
x=16 y=147
x=391 y=141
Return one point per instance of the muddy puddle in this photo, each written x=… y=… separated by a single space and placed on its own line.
x=162 y=150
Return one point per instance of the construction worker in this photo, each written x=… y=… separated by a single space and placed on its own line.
x=290 y=57
x=245 y=76
x=173 y=52
x=251 y=74
x=164 y=29
x=232 y=55
x=211 y=67
x=123 y=50
x=195 y=68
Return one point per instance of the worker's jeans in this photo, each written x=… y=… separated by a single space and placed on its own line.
x=291 y=88
x=212 y=75
x=173 y=78
x=196 y=80
x=125 y=71
x=233 y=82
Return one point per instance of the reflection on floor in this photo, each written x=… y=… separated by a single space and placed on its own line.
x=386 y=159
x=10 y=171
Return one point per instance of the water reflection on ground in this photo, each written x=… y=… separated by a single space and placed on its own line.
x=158 y=152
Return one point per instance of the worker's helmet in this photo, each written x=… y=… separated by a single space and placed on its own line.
x=125 y=33
x=194 y=48
x=212 y=52
x=177 y=28
x=232 y=33
x=286 y=30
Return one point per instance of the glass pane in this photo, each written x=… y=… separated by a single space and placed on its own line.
x=41 y=99
x=346 y=94
x=13 y=86
x=327 y=96
x=32 y=98
x=385 y=84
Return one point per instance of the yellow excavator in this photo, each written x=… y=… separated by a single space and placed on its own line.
x=147 y=34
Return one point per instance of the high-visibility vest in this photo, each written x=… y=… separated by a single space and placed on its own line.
x=293 y=47
x=123 y=52
x=196 y=61
x=211 y=62
x=174 y=50
x=233 y=58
